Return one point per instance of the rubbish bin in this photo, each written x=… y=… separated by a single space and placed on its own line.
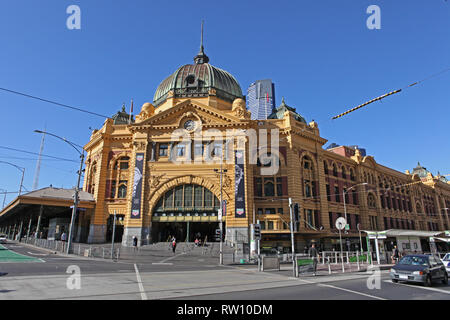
x=242 y=261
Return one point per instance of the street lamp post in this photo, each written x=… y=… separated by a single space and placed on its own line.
x=292 y=239
x=20 y=169
x=75 y=200
x=113 y=236
x=4 y=198
x=346 y=191
x=220 y=217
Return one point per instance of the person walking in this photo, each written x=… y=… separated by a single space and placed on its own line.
x=174 y=244
x=314 y=254
x=135 y=241
x=63 y=236
x=395 y=255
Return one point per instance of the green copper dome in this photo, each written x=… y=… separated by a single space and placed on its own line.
x=196 y=80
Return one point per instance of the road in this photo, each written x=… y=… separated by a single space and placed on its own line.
x=30 y=273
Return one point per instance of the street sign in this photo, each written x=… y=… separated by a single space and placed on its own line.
x=347 y=227
x=219 y=214
x=340 y=223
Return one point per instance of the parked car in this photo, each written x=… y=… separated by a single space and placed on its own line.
x=446 y=261
x=3 y=238
x=419 y=268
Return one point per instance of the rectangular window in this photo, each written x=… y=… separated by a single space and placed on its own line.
x=279 y=187
x=198 y=196
x=263 y=225
x=124 y=165
x=269 y=211
x=313 y=186
x=336 y=194
x=178 y=196
x=259 y=211
x=330 y=217
x=113 y=189
x=181 y=150
x=270 y=225
x=280 y=210
x=198 y=149
x=168 y=201
x=328 y=193
x=259 y=192
x=188 y=195
x=208 y=198
x=269 y=187
x=163 y=147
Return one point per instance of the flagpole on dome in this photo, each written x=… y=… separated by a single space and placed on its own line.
x=131 y=112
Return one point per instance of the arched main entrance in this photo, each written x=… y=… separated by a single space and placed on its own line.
x=186 y=211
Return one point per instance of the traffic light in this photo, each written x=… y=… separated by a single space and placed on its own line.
x=257 y=231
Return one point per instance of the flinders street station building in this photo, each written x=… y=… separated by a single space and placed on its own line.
x=194 y=149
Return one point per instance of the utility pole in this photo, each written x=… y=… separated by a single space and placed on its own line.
x=292 y=239
x=113 y=236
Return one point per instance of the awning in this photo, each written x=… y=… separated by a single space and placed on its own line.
x=443 y=239
x=405 y=233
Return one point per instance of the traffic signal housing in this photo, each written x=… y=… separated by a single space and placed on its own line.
x=257 y=231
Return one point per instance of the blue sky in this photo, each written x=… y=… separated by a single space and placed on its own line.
x=320 y=54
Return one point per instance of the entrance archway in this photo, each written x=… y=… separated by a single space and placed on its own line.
x=187 y=211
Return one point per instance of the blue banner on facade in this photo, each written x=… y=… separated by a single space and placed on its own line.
x=137 y=187
x=239 y=180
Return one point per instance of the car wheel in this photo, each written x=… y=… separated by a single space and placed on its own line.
x=428 y=281
x=445 y=280
x=394 y=280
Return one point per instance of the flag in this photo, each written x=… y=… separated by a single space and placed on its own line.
x=267 y=96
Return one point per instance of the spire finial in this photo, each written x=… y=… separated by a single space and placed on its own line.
x=201 y=57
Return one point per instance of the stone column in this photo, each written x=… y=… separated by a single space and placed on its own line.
x=38 y=227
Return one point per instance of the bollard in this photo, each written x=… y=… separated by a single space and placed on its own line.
x=329 y=266
x=348 y=261
x=357 y=261
x=335 y=258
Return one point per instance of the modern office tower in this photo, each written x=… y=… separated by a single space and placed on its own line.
x=261 y=99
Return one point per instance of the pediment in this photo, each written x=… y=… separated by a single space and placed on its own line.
x=173 y=117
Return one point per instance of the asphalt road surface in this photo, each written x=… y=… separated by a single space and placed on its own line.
x=30 y=273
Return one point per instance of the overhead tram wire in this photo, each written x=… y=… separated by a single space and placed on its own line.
x=389 y=94
x=34 y=153
x=53 y=102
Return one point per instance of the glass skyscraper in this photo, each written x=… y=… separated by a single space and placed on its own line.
x=261 y=99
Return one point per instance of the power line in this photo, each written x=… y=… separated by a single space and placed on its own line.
x=390 y=93
x=34 y=153
x=53 y=102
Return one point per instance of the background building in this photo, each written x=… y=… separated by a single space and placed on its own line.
x=261 y=99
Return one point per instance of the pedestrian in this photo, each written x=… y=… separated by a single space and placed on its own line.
x=395 y=255
x=314 y=254
x=174 y=244
x=63 y=236
x=305 y=249
x=135 y=242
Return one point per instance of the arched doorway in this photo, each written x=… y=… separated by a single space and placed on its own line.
x=187 y=212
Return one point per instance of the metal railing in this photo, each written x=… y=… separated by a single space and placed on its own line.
x=79 y=249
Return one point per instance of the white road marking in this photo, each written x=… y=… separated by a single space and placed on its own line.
x=141 y=287
x=163 y=263
x=418 y=286
x=343 y=289
x=351 y=291
x=172 y=257
x=37 y=254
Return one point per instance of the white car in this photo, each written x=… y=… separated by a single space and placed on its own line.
x=446 y=261
x=2 y=238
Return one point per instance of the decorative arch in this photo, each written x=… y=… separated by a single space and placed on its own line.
x=188 y=179
x=116 y=157
x=371 y=201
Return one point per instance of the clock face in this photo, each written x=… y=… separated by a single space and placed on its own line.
x=189 y=125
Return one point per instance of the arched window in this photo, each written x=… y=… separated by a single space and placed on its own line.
x=269 y=188
x=371 y=201
x=189 y=198
x=335 y=172
x=352 y=175
x=122 y=191
x=325 y=167
x=344 y=175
